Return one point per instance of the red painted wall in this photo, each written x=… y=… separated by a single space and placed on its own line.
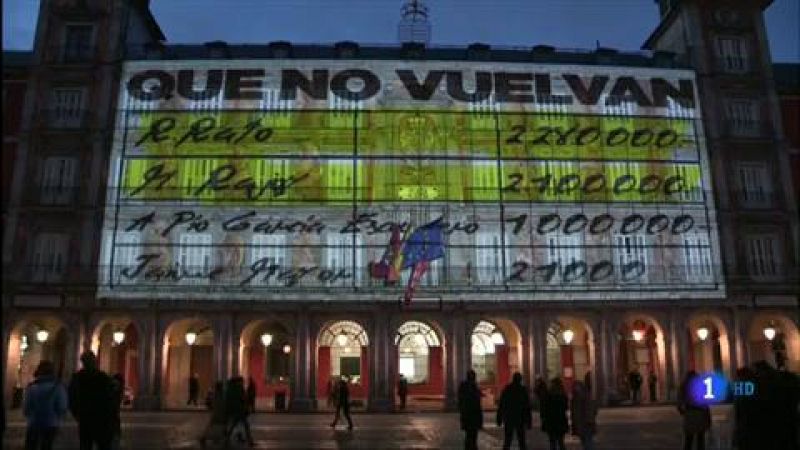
x=323 y=372
x=435 y=383
x=502 y=369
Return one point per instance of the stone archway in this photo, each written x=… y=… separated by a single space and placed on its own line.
x=265 y=355
x=343 y=351
x=570 y=351
x=420 y=358
x=641 y=349
x=117 y=344
x=496 y=353
x=188 y=348
x=784 y=345
x=709 y=344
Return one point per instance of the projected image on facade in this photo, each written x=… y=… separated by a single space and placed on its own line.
x=294 y=189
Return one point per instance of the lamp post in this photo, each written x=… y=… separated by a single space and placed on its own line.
x=287 y=348
x=638 y=335
x=770 y=332
x=702 y=333
x=118 y=337
x=568 y=335
x=42 y=336
x=266 y=339
x=191 y=337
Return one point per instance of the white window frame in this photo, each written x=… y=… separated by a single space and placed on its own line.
x=733 y=54
x=763 y=256
x=59 y=180
x=49 y=257
x=194 y=252
x=339 y=255
x=489 y=258
x=697 y=261
x=127 y=248
x=68 y=114
x=272 y=247
x=755 y=184
x=629 y=248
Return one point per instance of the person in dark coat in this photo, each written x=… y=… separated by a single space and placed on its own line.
x=514 y=411
x=469 y=409
x=540 y=391
x=652 y=381
x=91 y=401
x=554 y=415
x=118 y=384
x=402 y=390
x=236 y=409
x=696 y=416
x=635 y=383
x=194 y=389
x=343 y=404
x=745 y=411
x=45 y=404
x=251 y=394
x=583 y=415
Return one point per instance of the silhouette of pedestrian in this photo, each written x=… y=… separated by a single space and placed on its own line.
x=635 y=383
x=514 y=412
x=746 y=414
x=343 y=403
x=787 y=412
x=469 y=409
x=194 y=389
x=651 y=385
x=587 y=381
x=45 y=404
x=402 y=390
x=236 y=409
x=91 y=401
x=218 y=423
x=696 y=416
x=118 y=386
x=583 y=412
x=554 y=415
x=251 y=394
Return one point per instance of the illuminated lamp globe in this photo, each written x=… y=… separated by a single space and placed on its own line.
x=42 y=335
x=638 y=335
x=497 y=338
x=191 y=337
x=770 y=332
x=341 y=340
x=266 y=339
x=287 y=349
x=23 y=345
x=702 y=333
x=568 y=335
x=118 y=337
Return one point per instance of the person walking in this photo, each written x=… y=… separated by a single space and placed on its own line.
x=118 y=393
x=554 y=415
x=91 y=401
x=696 y=416
x=194 y=389
x=236 y=410
x=402 y=390
x=251 y=394
x=45 y=404
x=469 y=410
x=343 y=403
x=652 y=381
x=583 y=415
x=635 y=383
x=514 y=411
x=216 y=429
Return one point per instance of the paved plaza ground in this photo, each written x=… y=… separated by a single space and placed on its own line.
x=625 y=428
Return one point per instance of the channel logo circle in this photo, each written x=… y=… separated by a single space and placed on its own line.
x=708 y=388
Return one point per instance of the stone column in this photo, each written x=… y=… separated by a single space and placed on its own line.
x=221 y=330
x=301 y=386
x=597 y=356
x=455 y=361
x=539 y=325
x=738 y=342
x=528 y=363
x=610 y=346
x=380 y=390
x=150 y=363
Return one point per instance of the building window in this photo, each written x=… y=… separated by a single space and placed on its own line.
x=697 y=258
x=732 y=52
x=271 y=247
x=342 y=110
x=58 y=180
x=339 y=179
x=485 y=184
x=482 y=113
x=755 y=188
x=277 y=110
x=194 y=257
x=194 y=173
x=49 y=259
x=762 y=256
x=78 y=43
x=563 y=250
x=742 y=117
x=630 y=258
x=342 y=258
x=489 y=258
x=127 y=248
x=66 y=107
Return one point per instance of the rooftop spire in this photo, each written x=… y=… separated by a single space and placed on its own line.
x=414 y=25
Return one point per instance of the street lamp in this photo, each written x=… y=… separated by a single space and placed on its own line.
x=287 y=349
x=266 y=339
x=638 y=335
x=42 y=335
x=769 y=332
x=191 y=337
x=702 y=333
x=341 y=340
x=568 y=335
x=118 y=337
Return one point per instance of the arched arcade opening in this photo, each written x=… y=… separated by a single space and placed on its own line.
x=343 y=351
x=265 y=360
x=117 y=345
x=420 y=358
x=188 y=350
x=495 y=356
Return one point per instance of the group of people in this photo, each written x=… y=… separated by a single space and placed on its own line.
x=514 y=412
x=635 y=385
x=231 y=404
x=93 y=397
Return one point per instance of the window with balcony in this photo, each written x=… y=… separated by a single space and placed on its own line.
x=66 y=107
x=78 y=43
x=755 y=187
x=697 y=258
x=489 y=258
x=49 y=258
x=742 y=117
x=630 y=258
x=564 y=250
x=732 y=52
x=58 y=180
x=194 y=257
x=763 y=256
x=342 y=110
x=343 y=254
x=277 y=111
x=482 y=113
x=127 y=248
x=270 y=248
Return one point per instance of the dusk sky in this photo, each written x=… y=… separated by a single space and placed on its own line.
x=622 y=24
